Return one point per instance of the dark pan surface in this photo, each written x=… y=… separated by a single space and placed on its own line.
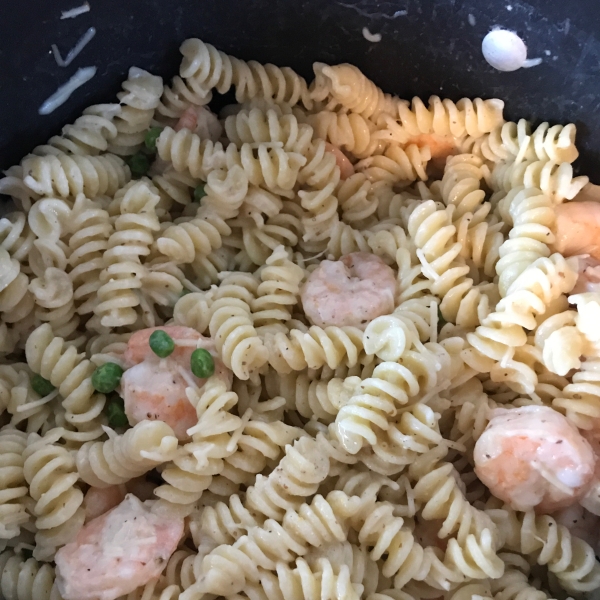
x=428 y=47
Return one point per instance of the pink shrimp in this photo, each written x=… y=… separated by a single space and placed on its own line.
x=342 y=161
x=154 y=388
x=351 y=291
x=578 y=229
x=589 y=275
x=441 y=147
x=117 y=552
x=202 y=121
x=533 y=457
x=97 y=501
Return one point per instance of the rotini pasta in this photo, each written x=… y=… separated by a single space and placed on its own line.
x=52 y=475
x=14 y=492
x=26 y=579
x=68 y=175
x=123 y=457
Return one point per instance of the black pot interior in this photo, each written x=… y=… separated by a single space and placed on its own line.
x=427 y=47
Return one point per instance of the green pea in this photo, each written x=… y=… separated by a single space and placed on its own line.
x=161 y=343
x=41 y=386
x=106 y=377
x=199 y=192
x=115 y=411
x=202 y=363
x=139 y=164
x=151 y=136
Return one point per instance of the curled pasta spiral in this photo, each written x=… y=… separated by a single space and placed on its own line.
x=272 y=167
x=345 y=239
x=444 y=117
x=89 y=135
x=259 y=202
x=26 y=579
x=304 y=467
x=255 y=126
x=258 y=443
x=531 y=214
x=272 y=543
x=210 y=68
x=68 y=175
x=174 y=186
x=514 y=585
x=437 y=489
x=52 y=475
x=511 y=140
x=123 y=457
x=554 y=179
x=278 y=291
x=214 y=438
x=561 y=343
x=188 y=240
x=177 y=97
x=350 y=89
x=284 y=228
x=137 y=102
x=571 y=559
x=232 y=328
x=17 y=235
x=131 y=240
x=16 y=302
x=392 y=384
x=356 y=198
x=350 y=132
x=90 y=229
x=13 y=486
x=225 y=523
x=397 y=164
x=71 y=373
x=580 y=399
x=493 y=343
x=433 y=233
x=312 y=398
x=53 y=293
x=331 y=346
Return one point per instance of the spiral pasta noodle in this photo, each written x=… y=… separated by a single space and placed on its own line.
x=278 y=291
x=68 y=175
x=255 y=126
x=12 y=481
x=350 y=132
x=16 y=233
x=51 y=474
x=571 y=559
x=16 y=302
x=25 y=578
x=554 y=179
x=177 y=97
x=123 y=457
x=131 y=240
x=512 y=141
x=140 y=96
x=204 y=65
x=89 y=135
x=71 y=373
x=232 y=328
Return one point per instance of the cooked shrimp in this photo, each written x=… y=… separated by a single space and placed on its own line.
x=588 y=279
x=533 y=457
x=351 y=291
x=97 y=501
x=441 y=147
x=591 y=501
x=342 y=161
x=202 y=121
x=578 y=229
x=154 y=388
x=117 y=552
x=581 y=523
